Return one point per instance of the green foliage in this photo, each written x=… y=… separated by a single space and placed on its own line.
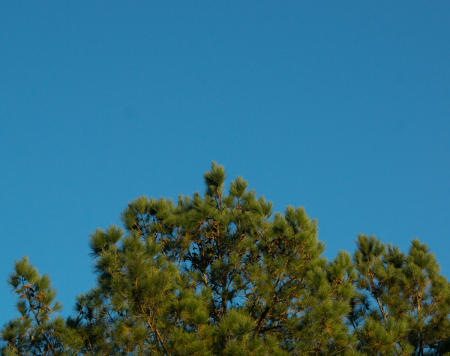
x=36 y=331
x=221 y=274
x=403 y=303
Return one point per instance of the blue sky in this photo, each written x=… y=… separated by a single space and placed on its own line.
x=340 y=107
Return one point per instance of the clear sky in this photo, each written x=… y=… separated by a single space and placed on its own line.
x=340 y=107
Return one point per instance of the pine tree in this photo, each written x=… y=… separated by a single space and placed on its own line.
x=221 y=274
x=36 y=332
x=403 y=303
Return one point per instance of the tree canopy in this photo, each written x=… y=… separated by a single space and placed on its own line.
x=222 y=274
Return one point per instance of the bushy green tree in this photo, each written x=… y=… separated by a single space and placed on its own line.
x=36 y=331
x=403 y=303
x=221 y=274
